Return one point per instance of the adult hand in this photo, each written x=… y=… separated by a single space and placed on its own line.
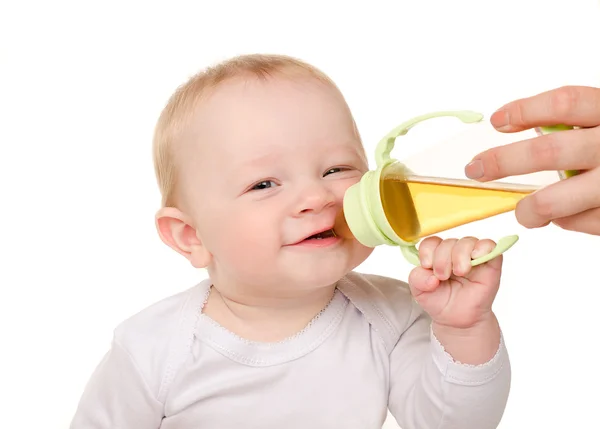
x=574 y=203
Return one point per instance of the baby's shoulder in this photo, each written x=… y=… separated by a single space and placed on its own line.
x=158 y=337
x=156 y=323
x=385 y=302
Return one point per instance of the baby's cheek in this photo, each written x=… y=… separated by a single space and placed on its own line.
x=360 y=253
x=246 y=240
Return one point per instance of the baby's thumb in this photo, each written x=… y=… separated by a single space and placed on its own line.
x=422 y=280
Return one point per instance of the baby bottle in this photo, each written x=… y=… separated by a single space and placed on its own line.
x=397 y=205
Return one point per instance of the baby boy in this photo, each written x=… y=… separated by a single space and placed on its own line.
x=253 y=157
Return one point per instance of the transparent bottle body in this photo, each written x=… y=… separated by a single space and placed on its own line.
x=418 y=206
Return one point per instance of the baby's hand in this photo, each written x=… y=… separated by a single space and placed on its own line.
x=448 y=288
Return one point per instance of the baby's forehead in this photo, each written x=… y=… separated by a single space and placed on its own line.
x=277 y=107
x=245 y=93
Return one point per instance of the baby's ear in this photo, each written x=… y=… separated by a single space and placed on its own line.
x=176 y=231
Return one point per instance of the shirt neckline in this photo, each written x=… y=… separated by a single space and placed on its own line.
x=261 y=354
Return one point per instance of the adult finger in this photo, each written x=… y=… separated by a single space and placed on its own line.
x=577 y=149
x=559 y=200
x=569 y=105
x=587 y=222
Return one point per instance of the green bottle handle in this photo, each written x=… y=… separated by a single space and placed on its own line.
x=412 y=254
x=385 y=146
x=382 y=157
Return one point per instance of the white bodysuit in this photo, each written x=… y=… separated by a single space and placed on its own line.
x=371 y=349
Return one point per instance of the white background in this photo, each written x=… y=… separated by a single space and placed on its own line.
x=82 y=83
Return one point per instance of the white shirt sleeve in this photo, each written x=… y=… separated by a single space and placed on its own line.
x=117 y=396
x=429 y=390
x=129 y=387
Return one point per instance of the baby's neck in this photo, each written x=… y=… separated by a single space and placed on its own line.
x=266 y=319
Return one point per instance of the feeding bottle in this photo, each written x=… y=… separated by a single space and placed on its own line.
x=396 y=206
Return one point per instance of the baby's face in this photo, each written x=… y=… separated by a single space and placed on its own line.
x=267 y=167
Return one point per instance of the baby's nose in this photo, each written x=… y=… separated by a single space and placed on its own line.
x=315 y=199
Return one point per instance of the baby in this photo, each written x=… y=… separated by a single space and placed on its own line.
x=253 y=157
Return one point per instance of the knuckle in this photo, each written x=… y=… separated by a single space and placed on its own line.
x=429 y=244
x=449 y=244
x=493 y=165
x=487 y=246
x=567 y=223
x=431 y=241
x=594 y=146
x=546 y=151
x=468 y=241
x=564 y=101
x=465 y=244
x=486 y=243
x=516 y=115
x=541 y=207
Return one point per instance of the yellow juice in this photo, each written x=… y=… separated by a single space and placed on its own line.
x=417 y=207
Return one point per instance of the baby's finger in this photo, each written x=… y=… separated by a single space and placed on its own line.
x=426 y=250
x=422 y=280
x=442 y=259
x=482 y=248
x=461 y=256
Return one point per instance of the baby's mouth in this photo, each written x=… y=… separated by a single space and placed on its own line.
x=321 y=235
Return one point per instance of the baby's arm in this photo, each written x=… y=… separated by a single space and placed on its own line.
x=453 y=323
x=117 y=396
x=429 y=390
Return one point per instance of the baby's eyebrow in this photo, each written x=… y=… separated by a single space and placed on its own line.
x=348 y=148
x=262 y=159
x=249 y=165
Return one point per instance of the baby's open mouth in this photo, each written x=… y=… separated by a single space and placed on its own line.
x=321 y=235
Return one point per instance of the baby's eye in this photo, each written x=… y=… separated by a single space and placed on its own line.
x=265 y=184
x=334 y=170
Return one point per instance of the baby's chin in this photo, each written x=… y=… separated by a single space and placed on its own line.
x=319 y=278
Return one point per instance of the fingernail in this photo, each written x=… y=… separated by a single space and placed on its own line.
x=501 y=120
x=474 y=169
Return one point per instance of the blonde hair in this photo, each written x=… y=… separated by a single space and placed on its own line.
x=174 y=117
